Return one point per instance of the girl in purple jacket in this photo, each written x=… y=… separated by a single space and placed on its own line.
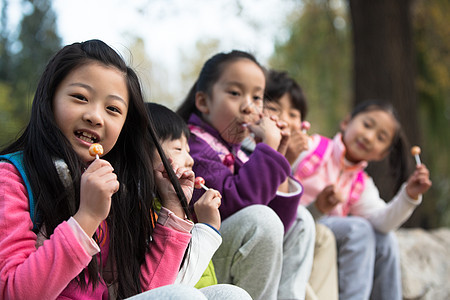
x=266 y=257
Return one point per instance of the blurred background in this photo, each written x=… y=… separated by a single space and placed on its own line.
x=340 y=51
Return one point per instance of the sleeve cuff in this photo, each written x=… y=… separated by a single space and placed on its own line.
x=88 y=244
x=315 y=212
x=295 y=188
x=170 y=220
x=416 y=202
x=212 y=227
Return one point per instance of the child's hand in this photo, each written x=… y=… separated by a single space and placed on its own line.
x=98 y=184
x=419 y=182
x=169 y=198
x=207 y=208
x=327 y=199
x=269 y=132
x=285 y=132
x=297 y=144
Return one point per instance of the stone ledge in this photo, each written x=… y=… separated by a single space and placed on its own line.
x=425 y=263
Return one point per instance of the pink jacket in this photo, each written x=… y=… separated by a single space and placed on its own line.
x=332 y=169
x=335 y=169
x=47 y=272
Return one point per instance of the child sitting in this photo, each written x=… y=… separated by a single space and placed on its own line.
x=223 y=107
x=346 y=199
x=285 y=99
x=172 y=134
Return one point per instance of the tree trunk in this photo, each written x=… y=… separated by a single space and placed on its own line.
x=384 y=68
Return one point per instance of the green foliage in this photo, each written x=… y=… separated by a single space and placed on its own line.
x=20 y=69
x=4 y=42
x=318 y=56
x=39 y=41
x=9 y=125
x=432 y=40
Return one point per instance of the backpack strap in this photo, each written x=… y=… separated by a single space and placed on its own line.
x=313 y=160
x=356 y=190
x=16 y=158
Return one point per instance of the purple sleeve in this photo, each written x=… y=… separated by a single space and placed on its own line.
x=255 y=182
x=286 y=206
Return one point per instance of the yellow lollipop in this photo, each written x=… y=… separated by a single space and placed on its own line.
x=96 y=150
x=415 y=151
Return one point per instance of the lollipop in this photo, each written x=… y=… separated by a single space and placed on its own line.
x=200 y=183
x=305 y=126
x=415 y=151
x=96 y=150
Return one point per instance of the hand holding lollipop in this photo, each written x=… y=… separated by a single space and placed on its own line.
x=305 y=126
x=200 y=183
x=96 y=150
x=419 y=181
x=207 y=206
x=415 y=151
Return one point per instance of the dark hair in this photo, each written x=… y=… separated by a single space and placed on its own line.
x=165 y=125
x=168 y=125
x=130 y=222
x=399 y=158
x=209 y=75
x=279 y=83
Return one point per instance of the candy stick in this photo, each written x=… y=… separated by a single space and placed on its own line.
x=415 y=151
x=200 y=183
x=305 y=126
x=96 y=150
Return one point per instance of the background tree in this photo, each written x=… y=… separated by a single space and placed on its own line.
x=26 y=53
x=37 y=42
x=4 y=43
x=384 y=68
x=385 y=58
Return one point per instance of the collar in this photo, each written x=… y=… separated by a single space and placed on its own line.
x=338 y=154
x=194 y=119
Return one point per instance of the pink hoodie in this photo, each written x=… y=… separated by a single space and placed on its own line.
x=47 y=272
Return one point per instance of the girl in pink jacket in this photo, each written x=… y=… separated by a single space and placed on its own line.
x=342 y=196
x=73 y=226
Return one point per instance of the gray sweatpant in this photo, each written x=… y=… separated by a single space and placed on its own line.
x=256 y=254
x=368 y=261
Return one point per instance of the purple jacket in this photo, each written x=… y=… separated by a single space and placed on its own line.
x=253 y=182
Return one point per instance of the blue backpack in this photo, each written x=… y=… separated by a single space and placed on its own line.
x=16 y=158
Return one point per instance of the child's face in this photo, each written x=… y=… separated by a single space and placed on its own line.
x=285 y=111
x=368 y=135
x=178 y=150
x=90 y=106
x=237 y=100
